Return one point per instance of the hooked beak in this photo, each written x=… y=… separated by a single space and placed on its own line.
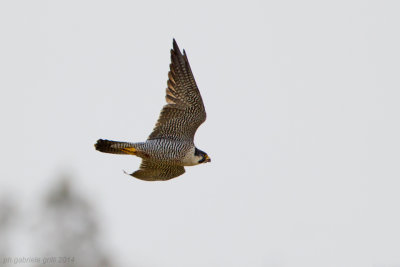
x=207 y=159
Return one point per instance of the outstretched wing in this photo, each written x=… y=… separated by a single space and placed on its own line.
x=185 y=111
x=157 y=171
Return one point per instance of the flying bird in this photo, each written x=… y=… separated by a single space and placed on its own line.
x=170 y=146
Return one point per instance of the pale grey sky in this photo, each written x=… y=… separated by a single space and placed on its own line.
x=303 y=126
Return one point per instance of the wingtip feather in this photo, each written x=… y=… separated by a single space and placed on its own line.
x=175 y=48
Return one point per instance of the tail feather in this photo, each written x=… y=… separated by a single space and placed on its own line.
x=115 y=147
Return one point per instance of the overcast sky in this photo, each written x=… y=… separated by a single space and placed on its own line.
x=302 y=99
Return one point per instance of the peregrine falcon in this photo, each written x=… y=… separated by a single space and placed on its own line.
x=170 y=146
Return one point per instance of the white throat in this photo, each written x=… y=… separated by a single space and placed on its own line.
x=190 y=159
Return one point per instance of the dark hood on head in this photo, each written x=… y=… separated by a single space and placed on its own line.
x=198 y=152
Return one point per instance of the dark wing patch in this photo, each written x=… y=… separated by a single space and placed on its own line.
x=185 y=111
x=156 y=171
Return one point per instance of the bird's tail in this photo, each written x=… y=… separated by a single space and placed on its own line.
x=115 y=147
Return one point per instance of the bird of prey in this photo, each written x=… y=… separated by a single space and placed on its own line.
x=170 y=146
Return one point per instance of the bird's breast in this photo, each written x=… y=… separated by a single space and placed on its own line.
x=180 y=153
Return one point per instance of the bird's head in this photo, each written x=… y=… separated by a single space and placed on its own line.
x=201 y=156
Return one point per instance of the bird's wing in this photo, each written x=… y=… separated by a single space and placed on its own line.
x=185 y=111
x=156 y=171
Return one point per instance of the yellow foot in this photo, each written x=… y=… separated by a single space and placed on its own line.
x=130 y=150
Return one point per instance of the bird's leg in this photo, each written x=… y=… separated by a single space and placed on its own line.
x=130 y=150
